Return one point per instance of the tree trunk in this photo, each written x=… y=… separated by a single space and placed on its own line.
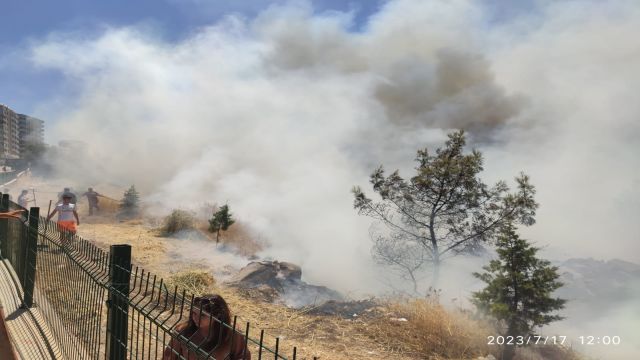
x=435 y=280
x=415 y=282
x=509 y=351
x=217 y=237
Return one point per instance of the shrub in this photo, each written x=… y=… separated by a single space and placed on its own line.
x=129 y=204
x=130 y=199
x=177 y=221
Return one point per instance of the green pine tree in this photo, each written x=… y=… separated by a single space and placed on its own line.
x=221 y=220
x=444 y=210
x=130 y=200
x=519 y=288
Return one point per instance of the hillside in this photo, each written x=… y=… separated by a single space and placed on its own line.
x=376 y=334
x=382 y=329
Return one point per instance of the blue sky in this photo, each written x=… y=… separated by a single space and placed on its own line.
x=22 y=86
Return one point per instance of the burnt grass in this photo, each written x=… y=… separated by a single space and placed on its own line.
x=344 y=309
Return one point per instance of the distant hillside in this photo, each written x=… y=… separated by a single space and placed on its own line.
x=594 y=284
x=603 y=301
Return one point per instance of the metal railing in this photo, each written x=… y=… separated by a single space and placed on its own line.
x=98 y=306
x=7 y=176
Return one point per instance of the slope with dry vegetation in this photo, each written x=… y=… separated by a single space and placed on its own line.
x=380 y=332
x=399 y=329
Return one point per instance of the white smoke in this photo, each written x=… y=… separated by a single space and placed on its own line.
x=281 y=115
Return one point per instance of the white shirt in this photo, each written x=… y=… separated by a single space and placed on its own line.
x=65 y=212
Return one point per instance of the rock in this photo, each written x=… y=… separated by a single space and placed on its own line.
x=285 y=278
x=272 y=273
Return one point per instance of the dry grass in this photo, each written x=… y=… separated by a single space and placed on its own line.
x=108 y=205
x=196 y=282
x=324 y=336
x=425 y=329
x=237 y=237
x=547 y=352
x=431 y=332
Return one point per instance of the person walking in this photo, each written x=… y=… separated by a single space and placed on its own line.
x=66 y=215
x=92 y=197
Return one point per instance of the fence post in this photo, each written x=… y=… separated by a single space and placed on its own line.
x=31 y=249
x=118 y=303
x=4 y=227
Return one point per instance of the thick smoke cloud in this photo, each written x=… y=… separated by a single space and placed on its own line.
x=420 y=79
x=281 y=115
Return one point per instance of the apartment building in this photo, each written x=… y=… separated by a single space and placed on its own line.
x=31 y=130
x=16 y=131
x=9 y=133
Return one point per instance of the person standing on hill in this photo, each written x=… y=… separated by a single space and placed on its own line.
x=92 y=197
x=66 y=214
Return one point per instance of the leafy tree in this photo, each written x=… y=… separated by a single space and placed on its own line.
x=130 y=201
x=444 y=210
x=221 y=220
x=519 y=288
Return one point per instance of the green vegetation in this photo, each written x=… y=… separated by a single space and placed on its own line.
x=221 y=220
x=443 y=210
x=519 y=288
x=129 y=205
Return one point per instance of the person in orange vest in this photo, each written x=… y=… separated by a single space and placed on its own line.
x=66 y=215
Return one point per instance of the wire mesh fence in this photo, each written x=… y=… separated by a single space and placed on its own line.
x=14 y=247
x=98 y=306
x=71 y=287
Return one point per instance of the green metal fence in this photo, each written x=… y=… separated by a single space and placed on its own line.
x=99 y=306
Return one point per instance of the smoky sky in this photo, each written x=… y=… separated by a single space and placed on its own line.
x=281 y=115
x=419 y=86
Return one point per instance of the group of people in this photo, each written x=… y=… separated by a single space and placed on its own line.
x=208 y=325
x=92 y=197
x=66 y=208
